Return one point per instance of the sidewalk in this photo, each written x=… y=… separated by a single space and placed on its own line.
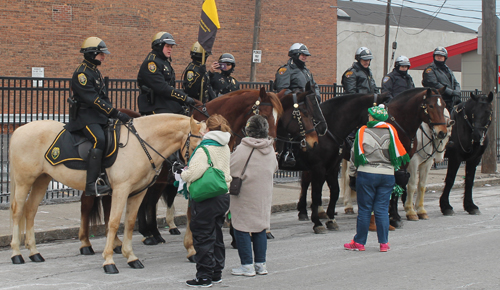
x=62 y=221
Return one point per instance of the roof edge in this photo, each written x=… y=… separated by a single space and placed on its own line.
x=459 y=48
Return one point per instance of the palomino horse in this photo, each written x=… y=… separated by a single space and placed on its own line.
x=429 y=150
x=131 y=173
x=469 y=138
x=343 y=115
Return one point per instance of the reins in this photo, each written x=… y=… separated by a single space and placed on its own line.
x=484 y=129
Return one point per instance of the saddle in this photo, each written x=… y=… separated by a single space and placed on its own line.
x=72 y=148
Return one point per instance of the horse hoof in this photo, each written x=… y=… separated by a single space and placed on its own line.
x=412 y=217
x=448 y=212
x=174 y=231
x=332 y=225
x=303 y=217
x=323 y=215
x=349 y=211
x=37 y=258
x=150 y=241
x=269 y=236
x=396 y=224
x=118 y=250
x=136 y=264
x=474 y=211
x=192 y=259
x=423 y=216
x=87 y=251
x=319 y=230
x=18 y=259
x=110 y=269
x=160 y=239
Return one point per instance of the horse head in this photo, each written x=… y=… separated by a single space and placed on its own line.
x=480 y=114
x=193 y=139
x=271 y=109
x=297 y=119
x=432 y=112
x=440 y=144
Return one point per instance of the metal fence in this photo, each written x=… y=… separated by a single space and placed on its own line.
x=26 y=99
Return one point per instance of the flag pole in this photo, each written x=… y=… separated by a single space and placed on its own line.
x=203 y=76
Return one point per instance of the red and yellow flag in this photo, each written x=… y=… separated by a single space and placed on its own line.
x=209 y=23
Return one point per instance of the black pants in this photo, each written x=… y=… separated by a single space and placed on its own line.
x=95 y=134
x=207 y=218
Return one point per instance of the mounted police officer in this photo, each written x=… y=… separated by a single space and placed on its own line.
x=398 y=80
x=438 y=75
x=156 y=80
x=90 y=109
x=221 y=80
x=194 y=73
x=358 y=78
x=294 y=76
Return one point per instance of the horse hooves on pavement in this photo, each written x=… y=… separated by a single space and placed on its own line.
x=150 y=241
x=37 y=258
x=87 y=251
x=474 y=211
x=174 y=231
x=423 y=216
x=323 y=215
x=332 y=225
x=160 y=239
x=319 y=230
x=447 y=212
x=118 y=250
x=303 y=217
x=136 y=264
x=18 y=259
x=192 y=259
x=269 y=236
x=110 y=269
x=396 y=224
x=412 y=217
x=349 y=211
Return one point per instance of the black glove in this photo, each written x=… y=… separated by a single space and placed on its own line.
x=352 y=182
x=123 y=117
x=456 y=100
x=203 y=69
x=190 y=102
x=177 y=167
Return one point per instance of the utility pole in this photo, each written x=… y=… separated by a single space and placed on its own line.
x=387 y=28
x=255 y=44
x=490 y=80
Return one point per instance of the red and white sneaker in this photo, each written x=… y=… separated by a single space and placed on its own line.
x=385 y=247
x=353 y=246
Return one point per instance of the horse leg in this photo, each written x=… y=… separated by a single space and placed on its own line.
x=346 y=191
x=411 y=215
x=188 y=238
x=147 y=214
x=19 y=193
x=87 y=202
x=318 y=179
x=451 y=173
x=169 y=195
x=133 y=204
x=36 y=196
x=305 y=180
x=333 y=184
x=470 y=173
x=394 y=217
x=419 y=200
x=106 y=205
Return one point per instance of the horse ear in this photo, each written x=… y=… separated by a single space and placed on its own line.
x=429 y=93
x=490 y=97
x=263 y=93
x=308 y=86
x=473 y=96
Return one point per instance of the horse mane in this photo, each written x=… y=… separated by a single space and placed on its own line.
x=275 y=101
x=333 y=103
x=406 y=95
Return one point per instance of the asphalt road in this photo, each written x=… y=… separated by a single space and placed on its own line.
x=458 y=252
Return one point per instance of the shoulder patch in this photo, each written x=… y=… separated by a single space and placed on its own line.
x=428 y=70
x=152 y=67
x=386 y=78
x=190 y=75
x=282 y=70
x=348 y=74
x=82 y=79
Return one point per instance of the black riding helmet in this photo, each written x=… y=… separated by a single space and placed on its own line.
x=228 y=58
x=160 y=38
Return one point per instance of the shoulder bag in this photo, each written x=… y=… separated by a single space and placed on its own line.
x=234 y=188
x=211 y=184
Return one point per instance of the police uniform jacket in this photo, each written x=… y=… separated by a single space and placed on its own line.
x=357 y=79
x=436 y=77
x=90 y=92
x=191 y=80
x=157 y=74
x=395 y=83
x=293 y=78
x=223 y=84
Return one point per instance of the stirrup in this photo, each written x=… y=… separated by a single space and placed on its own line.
x=101 y=181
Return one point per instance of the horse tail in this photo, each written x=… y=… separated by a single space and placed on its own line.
x=275 y=101
x=95 y=215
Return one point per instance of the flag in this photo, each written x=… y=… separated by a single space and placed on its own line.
x=209 y=23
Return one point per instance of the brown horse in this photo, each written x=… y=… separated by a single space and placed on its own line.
x=128 y=176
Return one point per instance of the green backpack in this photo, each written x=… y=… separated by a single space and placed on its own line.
x=211 y=184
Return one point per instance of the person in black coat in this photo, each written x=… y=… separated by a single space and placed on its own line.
x=398 y=80
x=221 y=80
x=358 y=78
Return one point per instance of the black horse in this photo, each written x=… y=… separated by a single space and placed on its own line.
x=343 y=114
x=472 y=120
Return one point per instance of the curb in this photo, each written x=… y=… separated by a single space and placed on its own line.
x=99 y=231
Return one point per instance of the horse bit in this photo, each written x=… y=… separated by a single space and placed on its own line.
x=297 y=116
x=472 y=126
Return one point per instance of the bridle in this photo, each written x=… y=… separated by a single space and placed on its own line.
x=435 y=148
x=483 y=130
x=296 y=115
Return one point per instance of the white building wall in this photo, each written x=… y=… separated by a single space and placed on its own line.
x=411 y=42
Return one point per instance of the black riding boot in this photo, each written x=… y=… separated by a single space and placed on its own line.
x=93 y=172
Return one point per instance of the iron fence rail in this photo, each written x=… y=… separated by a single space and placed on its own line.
x=26 y=99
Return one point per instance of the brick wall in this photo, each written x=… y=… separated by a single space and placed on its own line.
x=48 y=34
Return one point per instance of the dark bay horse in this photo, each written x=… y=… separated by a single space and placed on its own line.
x=343 y=115
x=469 y=138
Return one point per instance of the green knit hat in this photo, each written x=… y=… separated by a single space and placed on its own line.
x=378 y=113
